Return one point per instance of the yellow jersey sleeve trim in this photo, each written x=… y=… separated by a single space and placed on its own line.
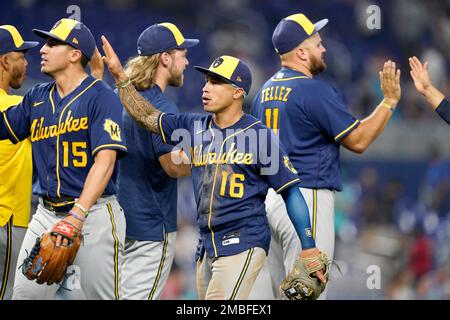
x=161 y=129
x=287 y=184
x=346 y=130
x=103 y=146
x=9 y=127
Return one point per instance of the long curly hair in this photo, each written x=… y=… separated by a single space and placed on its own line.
x=141 y=70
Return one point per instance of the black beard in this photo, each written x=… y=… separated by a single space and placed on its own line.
x=16 y=79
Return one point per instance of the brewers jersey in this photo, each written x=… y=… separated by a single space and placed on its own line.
x=146 y=193
x=311 y=119
x=232 y=169
x=67 y=133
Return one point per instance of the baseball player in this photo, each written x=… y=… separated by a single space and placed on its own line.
x=419 y=74
x=312 y=122
x=15 y=160
x=227 y=156
x=74 y=124
x=147 y=184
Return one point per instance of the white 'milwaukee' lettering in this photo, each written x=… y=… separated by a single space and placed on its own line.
x=71 y=124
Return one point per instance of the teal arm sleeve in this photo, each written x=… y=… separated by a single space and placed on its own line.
x=299 y=214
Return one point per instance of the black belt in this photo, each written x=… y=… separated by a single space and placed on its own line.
x=63 y=204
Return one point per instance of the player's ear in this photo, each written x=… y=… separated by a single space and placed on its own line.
x=165 y=59
x=302 y=53
x=4 y=62
x=75 y=55
x=238 y=93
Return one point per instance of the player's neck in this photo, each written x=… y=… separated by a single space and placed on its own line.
x=161 y=82
x=298 y=67
x=161 y=78
x=229 y=116
x=67 y=81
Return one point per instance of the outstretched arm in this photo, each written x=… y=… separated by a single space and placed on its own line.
x=299 y=214
x=142 y=111
x=371 y=127
x=419 y=73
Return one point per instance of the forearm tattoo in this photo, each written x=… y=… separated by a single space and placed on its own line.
x=142 y=111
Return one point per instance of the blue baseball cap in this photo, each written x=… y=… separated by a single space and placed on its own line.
x=293 y=30
x=230 y=69
x=73 y=33
x=162 y=37
x=11 y=40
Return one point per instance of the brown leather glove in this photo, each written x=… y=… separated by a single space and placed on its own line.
x=48 y=263
x=301 y=283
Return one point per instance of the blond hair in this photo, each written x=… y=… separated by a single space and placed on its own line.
x=142 y=70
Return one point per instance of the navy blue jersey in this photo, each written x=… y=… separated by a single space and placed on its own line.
x=66 y=134
x=311 y=120
x=232 y=170
x=443 y=110
x=146 y=193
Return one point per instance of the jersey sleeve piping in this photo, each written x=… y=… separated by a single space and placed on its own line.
x=344 y=132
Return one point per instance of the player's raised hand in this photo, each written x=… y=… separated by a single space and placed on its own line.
x=112 y=61
x=390 y=83
x=421 y=77
x=96 y=65
x=419 y=74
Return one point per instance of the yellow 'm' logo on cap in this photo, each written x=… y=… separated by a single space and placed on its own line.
x=226 y=66
x=18 y=41
x=303 y=21
x=175 y=31
x=63 y=28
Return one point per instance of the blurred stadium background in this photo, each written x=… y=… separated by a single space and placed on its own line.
x=394 y=211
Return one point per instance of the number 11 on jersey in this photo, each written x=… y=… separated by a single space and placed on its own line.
x=272 y=119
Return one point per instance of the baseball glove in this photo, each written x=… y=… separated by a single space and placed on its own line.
x=47 y=263
x=301 y=283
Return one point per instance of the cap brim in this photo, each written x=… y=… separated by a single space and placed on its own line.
x=45 y=35
x=189 y=43
x=319 y=25
x=207 y=71
x=27 y=45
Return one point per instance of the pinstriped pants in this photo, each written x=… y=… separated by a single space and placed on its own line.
x=146 y=267
x=285 y=245
x=230 y=277
x=95 y=273
x=11 y=238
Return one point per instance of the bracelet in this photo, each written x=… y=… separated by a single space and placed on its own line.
x=123 y=84
x=384 y=104
x=76 y=216
x=86 y=212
